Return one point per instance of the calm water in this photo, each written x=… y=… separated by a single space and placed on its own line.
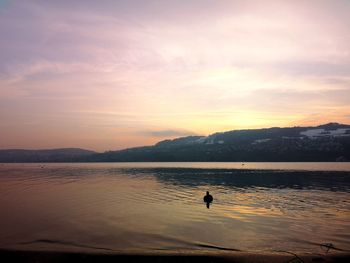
x=158 y=207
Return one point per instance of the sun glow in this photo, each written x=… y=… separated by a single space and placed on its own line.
x=125 y=78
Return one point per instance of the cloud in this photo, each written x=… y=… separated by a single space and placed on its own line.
x=149 y=66
x=339 y=115
x=167 y=133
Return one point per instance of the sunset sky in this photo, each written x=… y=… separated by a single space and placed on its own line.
x=106 y=75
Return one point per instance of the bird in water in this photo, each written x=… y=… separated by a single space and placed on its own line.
x=208 y=199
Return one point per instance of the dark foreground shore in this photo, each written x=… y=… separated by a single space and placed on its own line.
x=44 y=256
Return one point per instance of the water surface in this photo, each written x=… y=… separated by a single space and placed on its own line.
x=158 y=207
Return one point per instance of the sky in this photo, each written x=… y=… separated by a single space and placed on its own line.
x=109 y=74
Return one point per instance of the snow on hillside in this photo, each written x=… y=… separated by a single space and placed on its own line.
x=312 y=133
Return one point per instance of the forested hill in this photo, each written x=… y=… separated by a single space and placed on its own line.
x=328 y=142
x=51 y=155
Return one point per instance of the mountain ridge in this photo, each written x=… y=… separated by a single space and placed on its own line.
x=43 y=155
x=326 y=142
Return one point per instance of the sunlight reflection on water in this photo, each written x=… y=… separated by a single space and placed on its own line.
x=158 y=206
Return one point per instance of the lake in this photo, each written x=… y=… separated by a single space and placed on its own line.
x=159 y=208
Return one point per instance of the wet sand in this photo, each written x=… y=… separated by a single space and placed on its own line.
x=46 y=256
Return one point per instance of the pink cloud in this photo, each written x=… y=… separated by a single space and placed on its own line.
x=118 y=67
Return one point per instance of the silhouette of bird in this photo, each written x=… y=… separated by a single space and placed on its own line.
x=208 y=199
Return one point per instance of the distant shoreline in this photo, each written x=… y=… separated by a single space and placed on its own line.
x=48 y=162
x=325 y=143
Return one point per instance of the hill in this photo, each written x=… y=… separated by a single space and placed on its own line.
x=52 y=155
x=328 y=142
x=325 y=143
